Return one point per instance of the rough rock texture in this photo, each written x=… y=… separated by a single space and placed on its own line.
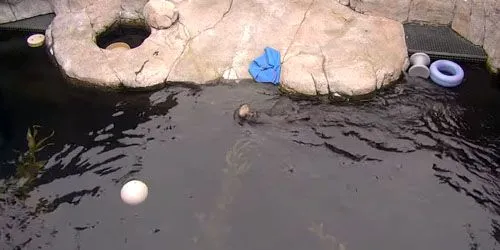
x=492 y=35
x=479 y=21
x=326 y=47
x=344 y=2
x=432 y=11
x=160 y=14
x=132 y=9
x=12 y=10
x=395 y=9
x=6 y=14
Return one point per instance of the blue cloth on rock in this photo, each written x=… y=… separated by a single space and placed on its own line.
x=267 y=67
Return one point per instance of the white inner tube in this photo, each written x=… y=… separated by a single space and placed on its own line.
x=446 y=73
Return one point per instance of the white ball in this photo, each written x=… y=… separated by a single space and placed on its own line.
x=134 y=192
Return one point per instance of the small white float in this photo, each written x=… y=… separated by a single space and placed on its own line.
x=36 y=40
x=118 y=46
x=420 y=63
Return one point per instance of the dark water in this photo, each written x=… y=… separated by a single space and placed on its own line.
x=415 y=167
x=133 y=35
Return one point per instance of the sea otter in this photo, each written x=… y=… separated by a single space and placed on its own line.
x=282 y=110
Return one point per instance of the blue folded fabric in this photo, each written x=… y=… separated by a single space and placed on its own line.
x=267 y=67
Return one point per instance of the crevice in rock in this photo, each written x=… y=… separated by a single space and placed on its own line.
x=454 y=13
x=315 y=84
x=220 y=20
x=140 y=70
x=69 y=6
x=112 y=69
x=323 y=67
x=298 y=29
x=90 y=20
x=290 y=57
x=176 y=61
x=12 y=10
x=409 y=10
x=227 y=11
x=191 y=38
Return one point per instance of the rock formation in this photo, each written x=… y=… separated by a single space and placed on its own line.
x=326 y=47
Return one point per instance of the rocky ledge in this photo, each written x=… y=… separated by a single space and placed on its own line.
x=326 y=47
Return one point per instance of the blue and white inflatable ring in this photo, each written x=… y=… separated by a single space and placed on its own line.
x=446 y=73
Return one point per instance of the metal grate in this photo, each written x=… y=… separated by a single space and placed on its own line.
x=441 y=42
x=37 y=23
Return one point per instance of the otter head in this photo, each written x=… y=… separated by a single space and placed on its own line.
x=244 y=111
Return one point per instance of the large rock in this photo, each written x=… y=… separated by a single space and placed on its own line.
x=12 y=10
x=160 y=14
x=326 y=47
x=335 y=44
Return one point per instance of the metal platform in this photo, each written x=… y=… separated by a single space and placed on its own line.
x=36 y=24
x=441 y=42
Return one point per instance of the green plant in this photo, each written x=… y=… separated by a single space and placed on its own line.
x=28 y=167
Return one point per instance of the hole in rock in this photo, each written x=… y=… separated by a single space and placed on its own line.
x=123 y=35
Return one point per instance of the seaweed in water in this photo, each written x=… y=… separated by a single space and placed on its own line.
x=28 y=166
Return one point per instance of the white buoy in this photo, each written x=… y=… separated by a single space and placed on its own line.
x=134 y=192
x=420 y=62
x=36 y=40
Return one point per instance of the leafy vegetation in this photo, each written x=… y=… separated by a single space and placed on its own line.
x=28 y=166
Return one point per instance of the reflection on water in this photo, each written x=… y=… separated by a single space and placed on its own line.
x=414 y=167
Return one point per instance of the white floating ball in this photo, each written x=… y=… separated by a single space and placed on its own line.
x=36 y=40
x=134 y=192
